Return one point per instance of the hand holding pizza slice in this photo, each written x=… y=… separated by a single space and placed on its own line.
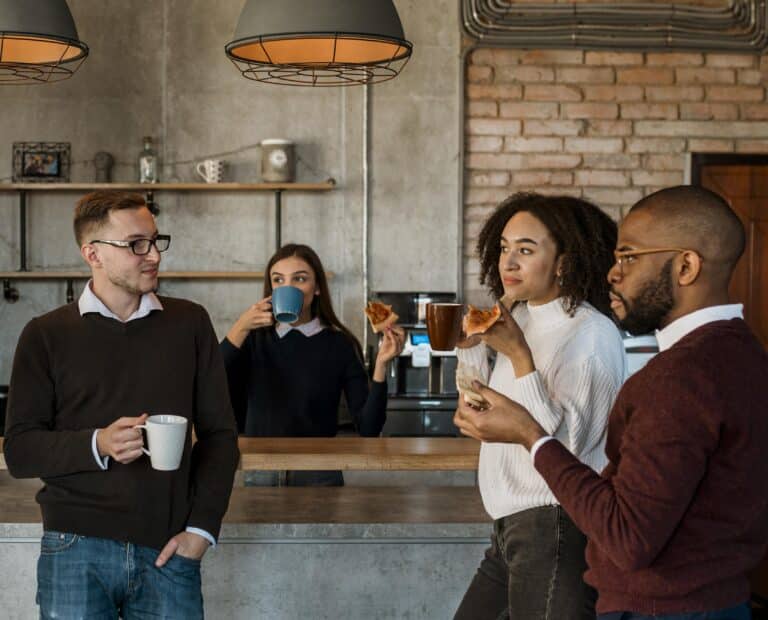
x=478 y=321
x=380 y=315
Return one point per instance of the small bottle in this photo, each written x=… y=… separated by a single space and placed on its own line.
x=148 y=162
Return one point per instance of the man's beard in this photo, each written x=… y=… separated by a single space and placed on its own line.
x=647 y=311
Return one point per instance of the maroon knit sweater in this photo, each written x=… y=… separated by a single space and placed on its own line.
x=680 y=513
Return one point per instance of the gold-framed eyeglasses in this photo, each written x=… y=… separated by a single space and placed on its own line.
x=624 y=258
x=140 y=247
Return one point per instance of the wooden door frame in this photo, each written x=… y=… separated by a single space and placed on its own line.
x=699 y=160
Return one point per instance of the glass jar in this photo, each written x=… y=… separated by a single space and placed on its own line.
x=148 y=162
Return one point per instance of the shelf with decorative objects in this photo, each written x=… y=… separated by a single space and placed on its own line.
x=11 y=293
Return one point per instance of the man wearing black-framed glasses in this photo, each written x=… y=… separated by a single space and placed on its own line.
x=678 y=517
x=85 y=376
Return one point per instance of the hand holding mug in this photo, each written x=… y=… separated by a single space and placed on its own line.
x=166 y=437
x=122 y=440
x=256 y=316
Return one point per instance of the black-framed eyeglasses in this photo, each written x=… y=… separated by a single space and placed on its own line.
x=140 y=247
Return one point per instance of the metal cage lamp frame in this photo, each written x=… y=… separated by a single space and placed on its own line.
x=319 y=42
x=38 y=42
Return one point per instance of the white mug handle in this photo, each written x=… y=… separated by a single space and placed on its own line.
x=200 y=169
x=143 y=449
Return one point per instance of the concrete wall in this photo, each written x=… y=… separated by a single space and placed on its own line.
x=157 y=67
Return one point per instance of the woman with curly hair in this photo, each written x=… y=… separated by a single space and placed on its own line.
x=546 y=259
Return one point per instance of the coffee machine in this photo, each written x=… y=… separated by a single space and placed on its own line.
x=421 y=382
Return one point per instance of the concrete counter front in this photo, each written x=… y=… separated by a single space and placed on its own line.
x=350 y=552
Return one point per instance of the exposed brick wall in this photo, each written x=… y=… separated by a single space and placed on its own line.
x=608 y=126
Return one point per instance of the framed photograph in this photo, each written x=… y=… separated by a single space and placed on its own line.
x=41 y=162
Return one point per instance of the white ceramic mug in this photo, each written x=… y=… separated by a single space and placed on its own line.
x=212 y=170
x=166 y=436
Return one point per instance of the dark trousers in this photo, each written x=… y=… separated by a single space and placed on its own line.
x=739 y=612
x=532 y=571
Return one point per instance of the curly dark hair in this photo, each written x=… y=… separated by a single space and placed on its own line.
x=585 y=236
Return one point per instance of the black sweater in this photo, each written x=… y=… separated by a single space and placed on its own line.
x=291 y=386
x=73 y=374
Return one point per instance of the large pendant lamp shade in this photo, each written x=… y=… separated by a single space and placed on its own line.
x=38 y=42
x=319 y=42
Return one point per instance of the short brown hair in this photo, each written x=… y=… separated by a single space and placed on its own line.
x=92 y=210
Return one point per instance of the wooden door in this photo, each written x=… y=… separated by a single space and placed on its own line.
x=745 y=187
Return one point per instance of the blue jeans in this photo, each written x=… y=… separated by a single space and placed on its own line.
x=739 y=612
x=79 y=577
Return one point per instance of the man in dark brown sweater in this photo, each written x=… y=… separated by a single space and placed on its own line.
x=680 y=513
x=119 y=536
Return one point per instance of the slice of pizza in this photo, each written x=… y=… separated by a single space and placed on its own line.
x=380 y=315
x=478 y=321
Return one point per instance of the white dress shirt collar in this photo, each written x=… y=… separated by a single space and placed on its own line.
x=309 y=329
x=88 y=303
x=687 y=323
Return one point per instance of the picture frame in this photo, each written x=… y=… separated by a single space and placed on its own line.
x=41 y=162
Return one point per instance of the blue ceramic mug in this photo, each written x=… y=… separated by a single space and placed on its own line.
x=287 y=302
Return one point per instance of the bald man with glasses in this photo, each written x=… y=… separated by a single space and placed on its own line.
x=679 y=516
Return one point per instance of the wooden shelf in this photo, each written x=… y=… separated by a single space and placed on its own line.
x=177 y=187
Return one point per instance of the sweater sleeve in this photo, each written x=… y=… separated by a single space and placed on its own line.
x=664 y=454
x=477 y=357
x=367 y=405
x=33 y=447
x=215 y=454
x=581 y=394
x=236 y=366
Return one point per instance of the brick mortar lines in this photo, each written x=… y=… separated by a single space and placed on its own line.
x=629 y=126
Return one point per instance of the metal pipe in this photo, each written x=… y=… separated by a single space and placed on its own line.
x=740 y=26
x=22 y=230
x=366 y=204
x=278 y=218
x=462 y=153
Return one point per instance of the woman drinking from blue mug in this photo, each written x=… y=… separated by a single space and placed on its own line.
x=286 y=379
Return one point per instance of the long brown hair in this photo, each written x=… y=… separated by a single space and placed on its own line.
x=322 y=307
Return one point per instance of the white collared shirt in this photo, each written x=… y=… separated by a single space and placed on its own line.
x=683 y=326
x=89 y=303
x=309 y=329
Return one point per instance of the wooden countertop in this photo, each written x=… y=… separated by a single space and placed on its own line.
x=362 y=453
x=354 y=453
x=256 y=505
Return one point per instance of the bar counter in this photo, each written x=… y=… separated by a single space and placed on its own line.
x=288 y=552
x=354 y=453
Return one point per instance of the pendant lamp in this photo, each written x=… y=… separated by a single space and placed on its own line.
x=319 y=42
x=38 y=42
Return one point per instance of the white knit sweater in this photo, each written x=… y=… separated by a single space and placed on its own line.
x=580 y=366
